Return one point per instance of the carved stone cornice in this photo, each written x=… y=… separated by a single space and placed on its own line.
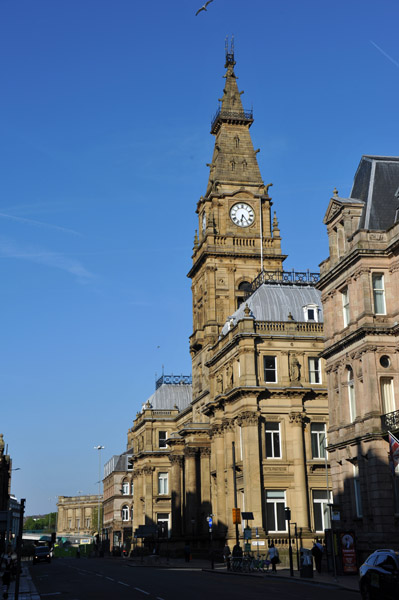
x=248 y=418
x=217 y=429
x=176 y=459
x=298 y=418
x=228 y=425
x=190 y=452
x=148 y=470
x=204 y=452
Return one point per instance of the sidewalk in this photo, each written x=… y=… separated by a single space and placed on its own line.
x=348 y=582
x=27 y=590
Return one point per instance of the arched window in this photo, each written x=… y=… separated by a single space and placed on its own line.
x=242 y=291
x=125 y=487
x=125 y=513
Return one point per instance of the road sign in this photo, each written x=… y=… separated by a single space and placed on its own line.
x=247 y=516
x=210 y=522
x=247 y=533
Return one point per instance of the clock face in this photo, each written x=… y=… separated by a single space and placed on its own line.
x=242 y=214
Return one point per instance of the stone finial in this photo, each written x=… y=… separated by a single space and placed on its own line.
x=247 y=311
x=335 y=192
x=2 y=444
x=290 y=317
x=196 y=240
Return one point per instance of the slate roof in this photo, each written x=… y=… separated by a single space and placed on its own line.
x=376 y=183
x=118 y=462
x=169 y=395
x=274 y=302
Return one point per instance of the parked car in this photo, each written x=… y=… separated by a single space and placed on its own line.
x=379 y=576
x=42 y=554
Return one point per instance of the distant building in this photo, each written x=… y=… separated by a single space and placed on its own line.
x=118 y=500
x=5 y=486
x=77 y=517
x=360 y=294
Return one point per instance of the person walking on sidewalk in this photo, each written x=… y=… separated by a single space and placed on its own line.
x=317 y=553
x=273 y=556
x=226 y=555
x=7 y=563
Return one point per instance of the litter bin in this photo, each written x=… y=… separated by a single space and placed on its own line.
x=306 y=563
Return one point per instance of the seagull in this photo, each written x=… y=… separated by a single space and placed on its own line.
x=203 y=7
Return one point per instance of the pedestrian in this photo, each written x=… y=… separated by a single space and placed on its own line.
x=7 y=563
x=237 y=556
x=317 y=553
x=272 y=554
x=226 y=555
x=187 y=552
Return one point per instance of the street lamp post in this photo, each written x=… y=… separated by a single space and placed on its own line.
x=99 y=448
x=287 y=511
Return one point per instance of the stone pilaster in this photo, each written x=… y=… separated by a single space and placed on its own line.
x=176 y=489
x=148 y=493
x=298 y=422
x=249 y=422
x=191 y=501
x=218 y=448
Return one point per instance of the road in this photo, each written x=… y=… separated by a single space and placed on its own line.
x=98 y=579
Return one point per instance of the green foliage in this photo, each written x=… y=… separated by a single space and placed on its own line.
x=94 y=519
x=43 y=523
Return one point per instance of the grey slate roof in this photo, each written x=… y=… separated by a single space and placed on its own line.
x=376 y=183
x=169 y=395
x=274 y=302
x=118 y=462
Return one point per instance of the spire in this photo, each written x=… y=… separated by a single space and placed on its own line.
x=234 y=158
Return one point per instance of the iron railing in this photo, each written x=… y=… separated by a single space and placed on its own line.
x=283 y=277
x=173 y=380
x=229 y=115
x=390 y=421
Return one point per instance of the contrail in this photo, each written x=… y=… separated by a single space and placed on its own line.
x=395 y=62
x=39 y=223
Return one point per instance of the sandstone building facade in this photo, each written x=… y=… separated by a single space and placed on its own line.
x=77 y=516
x=258 y=382
x=360 y=294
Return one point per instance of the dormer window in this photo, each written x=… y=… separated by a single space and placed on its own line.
x=311 y=312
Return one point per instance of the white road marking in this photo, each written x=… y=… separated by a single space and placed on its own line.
x=126 y=584
x=110 y=578
x=98 y=575
x=142 y=591
x=52 y=594
x=159 y=598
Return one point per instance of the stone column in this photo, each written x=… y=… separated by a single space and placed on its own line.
x=251 y=465
x=300 y=507
x=191 y=502
x=148 y=494
x=220 y=508
x=229 y=438
x=176 y=492
x=138 y=502
x=205 y=487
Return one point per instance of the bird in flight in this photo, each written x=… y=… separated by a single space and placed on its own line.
x=203 y=7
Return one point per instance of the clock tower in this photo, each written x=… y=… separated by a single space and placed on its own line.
x=237 y=236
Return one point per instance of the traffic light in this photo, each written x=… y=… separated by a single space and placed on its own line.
x=287 y=513
x=236 y=516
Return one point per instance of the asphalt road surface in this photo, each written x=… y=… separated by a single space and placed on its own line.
x=108 y=579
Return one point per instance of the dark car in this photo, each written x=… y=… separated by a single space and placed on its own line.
x=42 y=554
x=379 y=576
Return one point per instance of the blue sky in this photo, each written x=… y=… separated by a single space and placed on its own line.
x=105 y=114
